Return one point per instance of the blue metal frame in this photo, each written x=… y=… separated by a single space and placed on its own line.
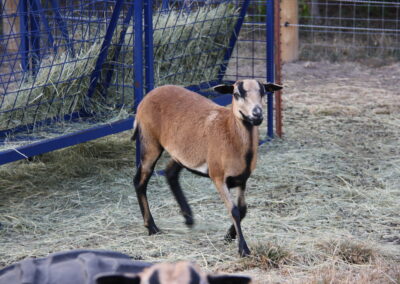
x=149 y=53
x=270 y=66
x=46 y=24
x=34 y=35
x=142 y=51
x=233 y=39
x=24 y=46
x=104 y=50
x=121 y=40
x=138 y=62
x=63 y=27
x=64 y=141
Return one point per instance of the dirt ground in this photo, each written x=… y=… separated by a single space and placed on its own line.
x=323 y=201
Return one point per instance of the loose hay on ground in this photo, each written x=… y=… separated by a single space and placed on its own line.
x=334 y=178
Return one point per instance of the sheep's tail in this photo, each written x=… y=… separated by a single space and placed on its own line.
x=135 y=131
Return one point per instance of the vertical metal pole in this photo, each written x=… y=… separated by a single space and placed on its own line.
x=62 y=26
x=278 y=69
x=149 y=51
x=96 y=74
x=24 y=48
x=233 y=39
x=45 y=24
x=138 y=63
x=270 y=66
x=164 y=5
x=34 y=35
x=110 y=72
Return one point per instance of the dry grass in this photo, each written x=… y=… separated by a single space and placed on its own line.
x=323 y=202
x=264 y=256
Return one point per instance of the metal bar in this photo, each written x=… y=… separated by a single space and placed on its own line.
x=149 y=49
x=341 y=28
x=138 y=63
x=62 y=26
x=46 y=24
x=164 y=5
x=94 y=77
x=44 y=122
x=63 y=141
x=24 y=46
x=278 y=69
x=121 y=40
x=233 y=39
x=34 y=36
x=368 y=2
x=270 y=65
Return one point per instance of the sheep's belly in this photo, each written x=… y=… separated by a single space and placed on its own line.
x=202 y=169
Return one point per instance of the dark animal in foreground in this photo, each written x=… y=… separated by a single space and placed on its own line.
x=207 y=139
x=106 y=267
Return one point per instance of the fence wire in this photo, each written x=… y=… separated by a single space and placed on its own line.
x=349 y=29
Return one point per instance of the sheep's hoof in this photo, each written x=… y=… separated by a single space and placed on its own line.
x=244 y=250
x=153 y=230
x=189 y=222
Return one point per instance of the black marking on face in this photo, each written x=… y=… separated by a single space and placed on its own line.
x=246 y=120
x=249 y=122
x=262 y=89
x=242 y=92
x=194 y=277
x=154 y=279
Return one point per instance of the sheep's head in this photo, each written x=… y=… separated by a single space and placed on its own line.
x=248 y=98
x=172 y=273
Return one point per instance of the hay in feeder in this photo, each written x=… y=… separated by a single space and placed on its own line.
x=186 y=44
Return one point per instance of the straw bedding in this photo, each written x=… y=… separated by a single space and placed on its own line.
x=323 y=201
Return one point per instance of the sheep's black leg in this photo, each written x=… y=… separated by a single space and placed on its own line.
x=150 y=155
x=235 y=214
x=242 y=206
x=172 y=174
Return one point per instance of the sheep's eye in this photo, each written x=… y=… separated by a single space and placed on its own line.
x=236 y=95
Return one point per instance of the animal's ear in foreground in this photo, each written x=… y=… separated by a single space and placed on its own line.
x=135 y=279
x=118 y=279
x=171 y=273
x=228 y=279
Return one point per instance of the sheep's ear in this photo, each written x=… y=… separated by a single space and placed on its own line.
x=271 y=87
x=224 y=89
x=228 y=279
x=118 y=279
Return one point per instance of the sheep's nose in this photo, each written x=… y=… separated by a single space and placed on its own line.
x=257 y=112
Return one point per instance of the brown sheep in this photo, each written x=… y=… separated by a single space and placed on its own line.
x=207 y=139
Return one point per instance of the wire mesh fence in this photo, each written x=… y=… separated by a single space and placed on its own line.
x=349 y=29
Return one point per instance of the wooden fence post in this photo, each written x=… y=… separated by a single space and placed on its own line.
x=289 y=34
